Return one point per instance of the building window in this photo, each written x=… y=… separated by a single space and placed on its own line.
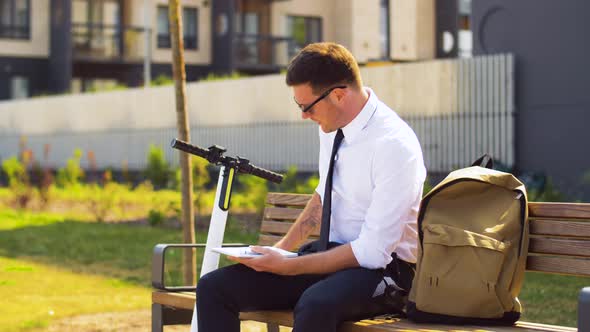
x=304 y=30
x=190 y=20
x=384 y=35
x=465 y=37
x=15 y=19
x=19 y=87
x=190 y=26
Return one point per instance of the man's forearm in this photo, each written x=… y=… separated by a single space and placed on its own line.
x=309 y=219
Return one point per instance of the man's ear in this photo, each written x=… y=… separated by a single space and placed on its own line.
x=340 y=94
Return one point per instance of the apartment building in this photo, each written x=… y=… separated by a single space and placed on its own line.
x=55 y=46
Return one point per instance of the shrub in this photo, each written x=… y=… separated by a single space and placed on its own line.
x=18 y=181
x=15 y=171
x=546 y=193
x=294 y=183
x=201 y=179
x=155 y=217
x=254 y=190
x=427 y=187
x=162 y=80
x=72 y=173
x=105 y=199
x=158 y=171
x=161 y=210
x=216 y=77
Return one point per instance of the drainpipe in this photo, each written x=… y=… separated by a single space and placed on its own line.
x=147 y=59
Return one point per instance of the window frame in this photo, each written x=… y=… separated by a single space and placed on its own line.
x=190 y=38
x=307 y=20
x=11 y=26
x=191 y=41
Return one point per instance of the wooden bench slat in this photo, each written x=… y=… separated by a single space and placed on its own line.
x=278 y=213
x=568 y=247
x=559 y=210
x=186 y=300
x=268 y=240
x=545 y=327
x=281 y=227
x=285 y=199
x=560 y=228
x=275 y=227
x=405 y=325
x=559 y=265
x=284 y=318
x=183 y=300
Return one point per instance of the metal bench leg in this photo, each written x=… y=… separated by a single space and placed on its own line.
x=157 y=318
x=272 y=327
x=584 y=310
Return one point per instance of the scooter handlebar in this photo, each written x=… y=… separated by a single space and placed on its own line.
x=262 y=173
x=189 y=148
x=214 y=156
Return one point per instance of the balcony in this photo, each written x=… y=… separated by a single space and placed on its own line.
x=14 y=31
x=107 y=43
x=262 y=53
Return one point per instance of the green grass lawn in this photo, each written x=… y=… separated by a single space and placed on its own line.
x=53 y=267
x=34 y=294
x=551 y=299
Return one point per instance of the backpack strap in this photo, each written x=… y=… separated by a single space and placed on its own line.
x=484 y=161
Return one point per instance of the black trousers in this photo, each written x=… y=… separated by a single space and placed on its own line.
x=319 y=302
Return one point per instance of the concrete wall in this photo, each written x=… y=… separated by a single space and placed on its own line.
x=409 y=88
x=254 y=117
x=38 y=44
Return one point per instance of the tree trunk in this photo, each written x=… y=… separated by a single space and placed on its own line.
x=182 y=123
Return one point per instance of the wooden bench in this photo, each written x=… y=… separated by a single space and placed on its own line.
x=560 y=243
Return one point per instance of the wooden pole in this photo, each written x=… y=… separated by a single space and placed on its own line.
x=182 y=123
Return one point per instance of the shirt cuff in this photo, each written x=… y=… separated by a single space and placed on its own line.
x=368 y=255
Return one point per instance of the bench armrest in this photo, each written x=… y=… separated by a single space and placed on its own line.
x=158 y=263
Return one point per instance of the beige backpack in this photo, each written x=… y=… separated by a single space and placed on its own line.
x=473 y=232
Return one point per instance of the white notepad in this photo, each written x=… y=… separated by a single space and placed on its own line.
x=246 y=252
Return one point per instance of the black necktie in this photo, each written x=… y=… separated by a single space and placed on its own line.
x=327 y=203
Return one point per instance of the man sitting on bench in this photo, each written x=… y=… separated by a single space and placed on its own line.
x=371 y=178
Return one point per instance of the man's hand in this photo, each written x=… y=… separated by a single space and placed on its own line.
x=324 y=262
x=270 y=261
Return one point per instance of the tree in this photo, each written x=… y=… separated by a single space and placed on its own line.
x=182 y=123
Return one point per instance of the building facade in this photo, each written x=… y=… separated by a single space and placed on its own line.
x=57 y=46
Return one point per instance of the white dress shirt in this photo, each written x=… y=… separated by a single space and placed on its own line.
x=377 y=185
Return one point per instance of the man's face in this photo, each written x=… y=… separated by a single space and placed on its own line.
x=325 y=112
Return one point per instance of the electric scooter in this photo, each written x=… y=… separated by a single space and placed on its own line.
x=229 y=167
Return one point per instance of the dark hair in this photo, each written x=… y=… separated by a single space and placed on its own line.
x=323 y=65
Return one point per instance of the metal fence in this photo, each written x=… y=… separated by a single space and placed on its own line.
x=482 y=120
x=275 y=145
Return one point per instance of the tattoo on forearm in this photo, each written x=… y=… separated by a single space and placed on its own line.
x=311 y=222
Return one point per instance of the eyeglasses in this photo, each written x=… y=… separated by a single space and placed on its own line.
x=307 y=108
